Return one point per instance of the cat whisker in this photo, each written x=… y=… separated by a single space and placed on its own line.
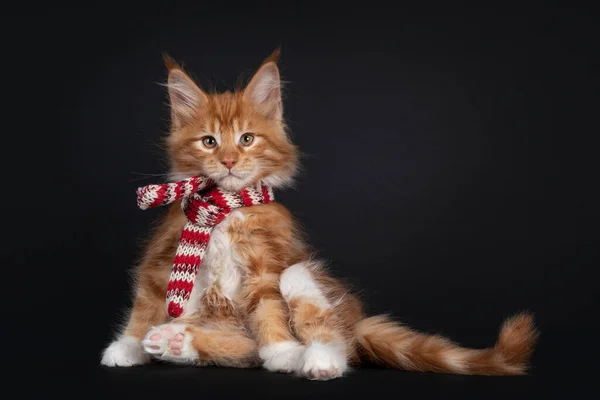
x=192 y=156
x=145 y=174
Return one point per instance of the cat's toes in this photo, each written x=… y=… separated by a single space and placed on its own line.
x=324 y=362
x=176 y=344
x=170 y=342
x=126 y=351
x=157 y=339
x=282 y=357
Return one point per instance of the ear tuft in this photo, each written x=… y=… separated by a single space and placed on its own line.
x=274 y=57
x=170 y=63
x=264 y=89
x=185 y=96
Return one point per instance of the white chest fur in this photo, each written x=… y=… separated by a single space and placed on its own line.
x=220 y=266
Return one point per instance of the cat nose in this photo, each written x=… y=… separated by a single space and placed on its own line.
x=228 y=163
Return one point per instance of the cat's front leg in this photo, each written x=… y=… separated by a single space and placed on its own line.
x=126 y=350
x=278 y=348
x=315 y=322
x=149 y=308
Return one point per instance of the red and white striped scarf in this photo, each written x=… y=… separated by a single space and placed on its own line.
x=205 y=205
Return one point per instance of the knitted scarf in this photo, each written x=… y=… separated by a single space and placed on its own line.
x=205 y=205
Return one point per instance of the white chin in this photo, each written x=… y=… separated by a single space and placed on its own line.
x=232 y=183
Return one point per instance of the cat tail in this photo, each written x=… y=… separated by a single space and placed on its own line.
x=388 y=343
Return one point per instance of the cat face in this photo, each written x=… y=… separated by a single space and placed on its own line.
x=235 y=138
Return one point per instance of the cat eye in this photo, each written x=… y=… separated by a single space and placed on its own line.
x=246 y=139
x=209 y=142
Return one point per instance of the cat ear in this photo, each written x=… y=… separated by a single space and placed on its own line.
x=185 y=96
x=264 y=89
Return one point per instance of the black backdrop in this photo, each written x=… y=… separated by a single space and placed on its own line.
x=447 y=173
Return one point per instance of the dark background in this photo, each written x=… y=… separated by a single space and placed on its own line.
x=449 y=174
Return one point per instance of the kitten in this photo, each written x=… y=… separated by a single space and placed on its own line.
x=261 y=298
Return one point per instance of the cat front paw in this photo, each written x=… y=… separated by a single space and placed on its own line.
x=170 y=342
x=126 y=351
x=323 y=362
x=282 y=357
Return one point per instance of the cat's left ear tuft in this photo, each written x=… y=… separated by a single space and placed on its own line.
x=274 y=57
x=264 y=89
x=170 y=63
x=186 y=97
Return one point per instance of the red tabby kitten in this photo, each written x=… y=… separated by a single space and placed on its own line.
x=260 y=297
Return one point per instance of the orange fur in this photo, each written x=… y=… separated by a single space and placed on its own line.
x=388 y=343
x=229 y=331
x=152 y=274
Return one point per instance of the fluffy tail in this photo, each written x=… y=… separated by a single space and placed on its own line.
x=386 y=342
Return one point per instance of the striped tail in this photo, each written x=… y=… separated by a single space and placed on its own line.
x=390 y=344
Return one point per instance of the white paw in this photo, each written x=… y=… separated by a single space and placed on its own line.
x=124 y=352
x=324 y=361
x=282 y=357
x=170 y=342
